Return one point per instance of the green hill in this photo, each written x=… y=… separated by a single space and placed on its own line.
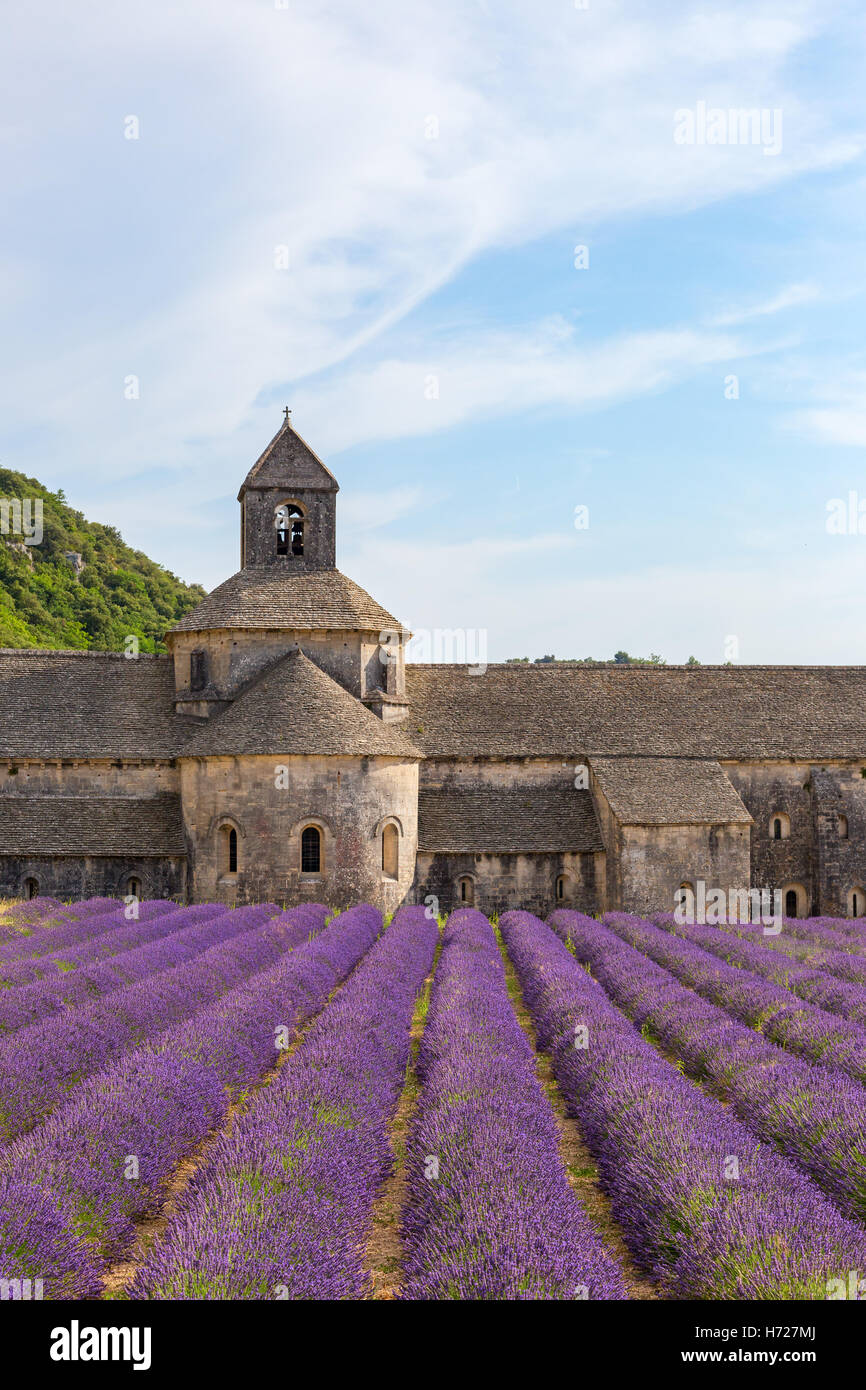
x=49 y=598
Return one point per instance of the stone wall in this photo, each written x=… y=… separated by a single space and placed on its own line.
x=495 y=772
x=348 y=799
x=656 y=859
x=87 y=877
x=767 y=789
x=102 y=778
x=839 y=861
x=236 y=656
x=502 y=881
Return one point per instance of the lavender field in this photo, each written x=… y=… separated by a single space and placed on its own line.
x=268 y=1104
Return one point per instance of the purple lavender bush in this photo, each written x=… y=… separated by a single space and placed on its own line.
x=496 y=1218
x=72 y=930
x=817 y=1118
x=806 y=981
x=58 y=993
x=39 y=1252
x=125 y=934
x=41 y=1065
x=801 y=1028
x=283 y=1203
x=705 y=1207
x=157 y=1105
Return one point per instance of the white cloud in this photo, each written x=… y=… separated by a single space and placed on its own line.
x=307 y=127
x=847 y=427
x=837 y=410
x=677 y=610
x=500 y=373
x=790 y=297
x=366 y=511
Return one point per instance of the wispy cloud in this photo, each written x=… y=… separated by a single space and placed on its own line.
x=500 y=374
x=789 y=298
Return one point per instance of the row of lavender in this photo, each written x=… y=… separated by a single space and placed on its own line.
x=283 y=1206
x=72 y=1191
x=112 y=933
x=42 y=926
x=815 y=1116
x=801 y=1028
x=194 y=930
x=704 y=1205
x=491 y=1213
x=820 y=952
x=812 y=980
x=40 y=1065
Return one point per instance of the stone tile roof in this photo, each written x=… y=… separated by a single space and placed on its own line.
x=506 y=821
x=128 y=827
x=808 y=712
x=288 y=461
x=295 y=708
x=668 y=791
x=87 y=705
x=268 y=597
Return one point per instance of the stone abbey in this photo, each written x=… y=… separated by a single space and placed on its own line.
x=284 y=750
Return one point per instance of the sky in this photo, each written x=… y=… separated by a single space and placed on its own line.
x=583 y=347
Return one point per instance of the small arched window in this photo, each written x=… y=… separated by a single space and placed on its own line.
x=560 y=887
x=228 y=850
x=857 y=903
x=842 y=827
x=311 y=850
x=289 y=522
x=466 y=891
x=31 y=887
x=390 y=851
x=780 y=826
x=133 y=887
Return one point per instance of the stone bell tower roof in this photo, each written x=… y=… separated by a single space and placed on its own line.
x=288 y=463
x=289 y=507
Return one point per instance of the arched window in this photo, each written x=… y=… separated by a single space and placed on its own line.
x=466 y=891
x=560 y=888
x=289 y=522
x=311 y=850
x=133 y=887
x=197 y=670
x=842 y=827
x=31 y=887
x=390 y=851
x=228 y=849
x=780 y=826
x=684 y=896
x=857 y=903
x=791 y=903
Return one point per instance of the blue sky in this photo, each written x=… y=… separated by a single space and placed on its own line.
x=429 y=170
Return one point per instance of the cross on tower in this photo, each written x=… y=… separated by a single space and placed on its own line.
x=288 y=415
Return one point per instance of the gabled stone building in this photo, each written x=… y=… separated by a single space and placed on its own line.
x=284 y=750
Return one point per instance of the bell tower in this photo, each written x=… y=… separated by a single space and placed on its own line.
x=289 y=507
